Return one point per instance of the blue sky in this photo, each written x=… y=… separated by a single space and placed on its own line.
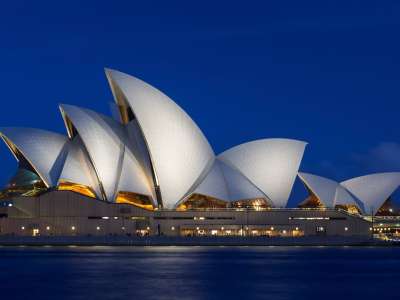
x=326 y=72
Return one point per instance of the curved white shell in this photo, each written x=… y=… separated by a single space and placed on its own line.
x=270 y=164
x=78 y=168
x=323 y=188
x=178 y=150
x=44 y=150
x=373 y=190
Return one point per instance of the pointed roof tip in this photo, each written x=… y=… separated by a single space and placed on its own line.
x=108 y=70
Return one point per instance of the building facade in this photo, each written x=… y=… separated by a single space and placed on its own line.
x=149 y=170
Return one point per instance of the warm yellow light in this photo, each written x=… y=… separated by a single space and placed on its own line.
x=272 y=228
x=97 y=228
x=48 y=228
x=172 y=228
x=148 y=228
x=73 y=227
x=138 y=200
x=297 y=228
x=23 y=228
x=77 y=188
x=222 y=228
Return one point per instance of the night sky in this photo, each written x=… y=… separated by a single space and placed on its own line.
x=325 y=73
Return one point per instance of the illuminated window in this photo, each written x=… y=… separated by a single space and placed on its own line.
x=77 y=188
x=256 y=203
x=312 y=201
x=350 y=208
x=199 y=201
x=138 y=200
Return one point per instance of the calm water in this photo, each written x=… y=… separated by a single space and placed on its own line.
x=199 y=273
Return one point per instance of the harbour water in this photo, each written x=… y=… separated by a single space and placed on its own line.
x=199 y=272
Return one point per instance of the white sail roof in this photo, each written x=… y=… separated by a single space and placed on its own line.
x=323 y=188
x=270 y=164
x=372 y=190
x=213 y=184
x=178 y=150
x=44 y=150
x=102 y=139
x=239 y=187
x=132 y=178
x=78 y=168
x=343 y=197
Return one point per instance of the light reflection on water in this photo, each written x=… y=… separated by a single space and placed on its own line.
x=198 y=272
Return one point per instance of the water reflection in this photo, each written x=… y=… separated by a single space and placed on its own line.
x=198 y=272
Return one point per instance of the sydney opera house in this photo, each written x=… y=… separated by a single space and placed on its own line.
x=149 y=170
